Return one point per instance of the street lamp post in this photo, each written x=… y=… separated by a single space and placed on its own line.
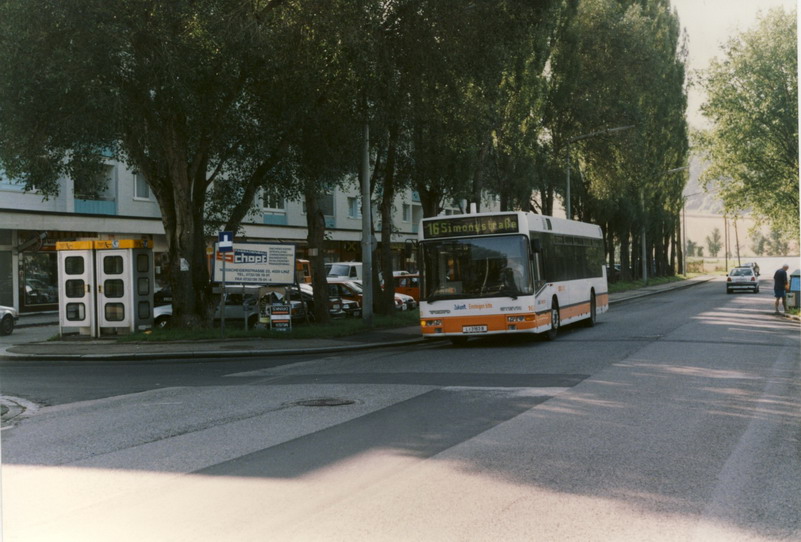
x=606 y=131
x=685 y=241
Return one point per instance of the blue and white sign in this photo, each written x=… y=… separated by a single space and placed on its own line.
x=225 y=241
x=255 y=263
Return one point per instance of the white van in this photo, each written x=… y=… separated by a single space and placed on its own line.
x=344 y=270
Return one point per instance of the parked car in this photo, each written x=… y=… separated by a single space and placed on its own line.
x=613 y=273
x=351 y=290
x=409 y=302
x=337 y=307
x=408 y=284
x=238 y=308
x=8 y=319
x=345 y=270
x=742 y=278
x=402 y=302
x=40 y=292
x=298 y=307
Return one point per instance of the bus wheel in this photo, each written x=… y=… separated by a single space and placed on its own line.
x=555 y=321
x=458 y=341
x=593 y=311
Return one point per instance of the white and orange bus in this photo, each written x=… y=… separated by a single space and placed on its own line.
x=512 y=272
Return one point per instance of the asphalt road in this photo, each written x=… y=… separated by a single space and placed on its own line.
x=678 y=417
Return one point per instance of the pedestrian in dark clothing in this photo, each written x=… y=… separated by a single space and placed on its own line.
x=780 y=287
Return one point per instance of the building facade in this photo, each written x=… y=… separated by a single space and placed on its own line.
x=30 y=226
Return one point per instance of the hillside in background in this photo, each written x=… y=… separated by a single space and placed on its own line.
x=698 y=201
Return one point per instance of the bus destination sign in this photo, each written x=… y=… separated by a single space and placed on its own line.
x=470 y=225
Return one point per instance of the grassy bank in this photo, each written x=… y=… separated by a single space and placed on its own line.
x=622 y=286
x=335 y=328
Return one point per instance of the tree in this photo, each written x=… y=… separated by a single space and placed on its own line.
x=778 y=245
x=199 y=96
x=713 y=243
x=758 y=243
x=753 y=105
x=692 y=248
x=447 y=104
x=621 y=63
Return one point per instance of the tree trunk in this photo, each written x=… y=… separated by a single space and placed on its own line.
x=185 y=262
x=386 y=303
x=315 y=223
x=625 y=257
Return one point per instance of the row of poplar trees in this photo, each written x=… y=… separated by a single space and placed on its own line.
x=217 y=101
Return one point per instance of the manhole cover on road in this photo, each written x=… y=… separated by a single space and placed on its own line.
x=324 y=402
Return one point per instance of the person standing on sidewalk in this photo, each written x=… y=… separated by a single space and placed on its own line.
x=780 y=287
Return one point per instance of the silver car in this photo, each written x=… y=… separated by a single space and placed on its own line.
x=8 y=319
x=742 y=278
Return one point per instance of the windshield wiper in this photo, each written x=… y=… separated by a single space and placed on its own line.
x=509 y=292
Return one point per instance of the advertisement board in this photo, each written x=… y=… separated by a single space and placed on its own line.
x=255 y=263
x=281 y=317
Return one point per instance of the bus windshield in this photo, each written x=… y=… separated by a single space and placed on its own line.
x=476 y=267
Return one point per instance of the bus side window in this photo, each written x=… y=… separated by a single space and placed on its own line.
x=536 y=261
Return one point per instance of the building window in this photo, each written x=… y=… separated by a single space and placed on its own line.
x=326 y=204
x=271 y=202
x=407 y=212
x=355 y=207
x=141 y=187
x=94 y=187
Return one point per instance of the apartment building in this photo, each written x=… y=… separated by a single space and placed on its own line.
x=30 y=226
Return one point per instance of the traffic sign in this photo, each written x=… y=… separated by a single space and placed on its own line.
x=225 y=241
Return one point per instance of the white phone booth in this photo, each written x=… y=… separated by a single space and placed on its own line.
x=117 y=279
x=76 y=271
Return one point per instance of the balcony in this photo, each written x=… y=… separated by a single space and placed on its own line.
x=95 y=206
x=275 y=219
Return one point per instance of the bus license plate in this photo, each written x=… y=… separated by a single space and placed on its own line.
x=474 y=329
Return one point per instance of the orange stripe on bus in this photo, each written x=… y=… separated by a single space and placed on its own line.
x=494 y=322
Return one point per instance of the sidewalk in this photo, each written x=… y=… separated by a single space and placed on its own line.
x=111 y=350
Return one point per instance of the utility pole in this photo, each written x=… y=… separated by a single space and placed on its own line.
x=367 y=232
x=726 y=242
x=644 y=245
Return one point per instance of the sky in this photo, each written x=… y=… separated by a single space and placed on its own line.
x=709 y=24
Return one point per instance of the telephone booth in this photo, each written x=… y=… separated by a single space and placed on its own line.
x=106 y=287
x=76 y=288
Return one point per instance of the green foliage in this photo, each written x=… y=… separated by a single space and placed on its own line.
x=335 y=328
x=777 y=243
x=713 y=243
x=623 y=286
x=758 y=243
x=753 y=105
x=621 y=64
x=217 y=101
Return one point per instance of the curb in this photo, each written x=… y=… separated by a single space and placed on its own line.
x=193 y=355
x=678 y=286
x=14 y=409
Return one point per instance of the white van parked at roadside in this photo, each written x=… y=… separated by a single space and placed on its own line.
x=344 y=270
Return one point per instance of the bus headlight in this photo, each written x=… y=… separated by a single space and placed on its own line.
x=512 y=319
x=430 y=323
